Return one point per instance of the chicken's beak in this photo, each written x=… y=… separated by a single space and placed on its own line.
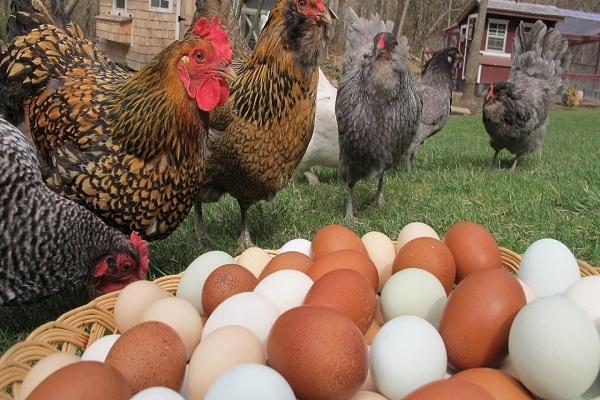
x=226 y=72
x=327 y=16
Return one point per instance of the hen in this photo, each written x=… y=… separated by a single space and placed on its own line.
x=436 y=89
x=378 y=103
x=262 y=131
x=515 y=112
x=49 y=243
x=129 y=147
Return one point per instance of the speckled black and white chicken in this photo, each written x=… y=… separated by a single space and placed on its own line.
x=378 y=103
x=515 y=112
x=49 y=243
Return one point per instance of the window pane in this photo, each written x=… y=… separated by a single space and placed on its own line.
x=120 y=4
x=155 y=3
x=164 y=4
x=495 y=44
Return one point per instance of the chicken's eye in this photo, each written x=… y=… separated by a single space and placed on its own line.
x=302 y=3
x=199 y=56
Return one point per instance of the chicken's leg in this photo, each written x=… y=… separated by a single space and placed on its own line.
x=514 y=164
x=495 y=159
x=244 y=241
x=201 y=234
x=379 y=196
x=349 y=206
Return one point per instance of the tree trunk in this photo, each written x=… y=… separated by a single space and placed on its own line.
x=468 y=98
x=339 y=39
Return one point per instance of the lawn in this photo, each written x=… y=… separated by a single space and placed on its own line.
x=555 y=194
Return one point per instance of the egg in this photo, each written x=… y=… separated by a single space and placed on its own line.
x=89 y=380
x=473 y=248
x=406 y=354
x=476 y=321
x=372 y=332
x=368 y=385
x=220 y=351
x=586 y=294
x=98 y=350
x=364 y=395
x=414 y=230
x=529 y=294
x=288 y=260
x=42 y=369
x=250 y=310
x=413 y=291
x=157 y=393
x=133 y=301
x=548 y=267
x=332 y=238
x=319 y=351
x=429 y=254
x=592 y=393
x=500 y=385
x=450 y=389
x=345 y=259
x=300 y=245
x=382 y=252
x=149 y=354
x=180 y=315
x=193 y=278
x=224 y=282
x=254 y=260
x=555 y=348
x=286 y=288
x=183 y=391
x=348 y=292
x=251 y=382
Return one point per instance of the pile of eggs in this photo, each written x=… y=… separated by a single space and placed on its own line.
x=345 y=317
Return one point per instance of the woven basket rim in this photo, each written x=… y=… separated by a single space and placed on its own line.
x=76 y=329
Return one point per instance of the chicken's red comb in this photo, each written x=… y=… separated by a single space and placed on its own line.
x=381 y=42
x=213 y=31
x=142 y=247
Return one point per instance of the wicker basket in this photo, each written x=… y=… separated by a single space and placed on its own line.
x=75 y=330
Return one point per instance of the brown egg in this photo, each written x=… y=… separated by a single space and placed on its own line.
x=372 y=332
x=89 y=380
x=500 y=385
x=319 y=351
x=336 y=237
x=473 y=248
x=224 y=282
x=345 y=259
x=429 y=254
x=288 y=260
x=476 y=321
x=450 y=389
x=348 y=292
x=149 y=354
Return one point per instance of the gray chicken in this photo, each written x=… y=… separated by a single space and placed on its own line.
x=515 y=112
x=48 y=243
x=378 y=103
x=436 y=89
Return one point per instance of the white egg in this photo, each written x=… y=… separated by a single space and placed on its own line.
x=382 y=252
x=184 y=391
x=133 y=301
x=548 y=267
x=407 y=353
x=592 y=393
x=300 y=245
x=413 y=291
x=286 y=288
x=554 y=348
x=158 y=393
x=98 y=350
x=43 y=369
x=250 y=310
x=529 y=294
x=192 y=280
x=250 y=382
x=586 y=294
x=254 y=260
x=413 y=231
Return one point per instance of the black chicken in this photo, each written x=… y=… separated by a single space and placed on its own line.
x=378 y=104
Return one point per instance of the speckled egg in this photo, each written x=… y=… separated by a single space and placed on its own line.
x=288 y=260
x=224 y=282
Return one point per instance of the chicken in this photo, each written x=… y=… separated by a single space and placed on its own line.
x=436 y=89
x=261 y=133
x=323 y=149
x=131 y=147
x=49 y=243
x=515 y=112
x=378 y=103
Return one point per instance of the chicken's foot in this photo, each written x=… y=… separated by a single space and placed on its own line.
x=379 y=196
x=349 y=205
x=312 y=179
x=494 y=159
x=244 y=241
x=201 y=234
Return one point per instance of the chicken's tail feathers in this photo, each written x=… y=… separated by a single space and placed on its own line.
x=360 y=32
x=26 y=15
x=541 y=53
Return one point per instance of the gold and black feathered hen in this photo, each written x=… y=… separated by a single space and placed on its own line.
x=129 y=147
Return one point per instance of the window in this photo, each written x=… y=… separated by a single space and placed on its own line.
x=527 y=27
x=160 y=5
x=496 y=36
x=120 y=5
x=463 y=32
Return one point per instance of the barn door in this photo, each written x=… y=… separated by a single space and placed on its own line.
x=184 y=15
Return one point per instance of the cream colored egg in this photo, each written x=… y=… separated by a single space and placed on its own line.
x=367 y=395
x=43 y=369
x=133 y=301
x=220 y=351
x=180 y=315
x=254 y=260
x=414 y=230
x=286 y=288
x=382 y=252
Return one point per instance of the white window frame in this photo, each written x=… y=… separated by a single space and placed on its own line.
x=116 y=10
x=487 y=38
x=528 y=25
x=160 y=9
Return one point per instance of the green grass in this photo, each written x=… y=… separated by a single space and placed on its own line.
x=555 y=194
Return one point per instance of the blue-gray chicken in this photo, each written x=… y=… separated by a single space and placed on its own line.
x=378 y=104
x=49 y=243
x=515 y=112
